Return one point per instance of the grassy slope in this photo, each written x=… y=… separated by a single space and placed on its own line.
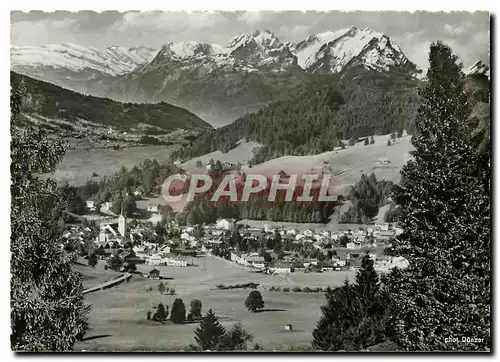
x=53 y=101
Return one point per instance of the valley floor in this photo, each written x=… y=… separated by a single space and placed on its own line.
x=118 y=317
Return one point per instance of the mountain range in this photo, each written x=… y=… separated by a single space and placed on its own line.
x=95 y=122
x=219 y=83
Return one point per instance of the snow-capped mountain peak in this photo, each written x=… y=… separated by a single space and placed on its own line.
x=187 y=49
x=332 y=51
x=478 y=68
x=327 y=52
x=263 y=39
x=114 y=60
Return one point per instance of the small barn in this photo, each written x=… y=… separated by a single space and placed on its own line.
x=154 y=274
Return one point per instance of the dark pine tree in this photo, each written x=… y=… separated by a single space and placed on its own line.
x=161 y=313
x=445 y=214
x=209 y=332
x=235 y=339
x=341 y=312
x=178 y=314
x=367 y=281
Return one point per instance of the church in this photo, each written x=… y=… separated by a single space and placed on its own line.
x=113 y=232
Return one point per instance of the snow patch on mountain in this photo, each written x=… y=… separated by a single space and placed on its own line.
x=478 y=68
x=114 y=60
x=308 y=49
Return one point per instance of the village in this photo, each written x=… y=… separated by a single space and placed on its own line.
x=275 y=249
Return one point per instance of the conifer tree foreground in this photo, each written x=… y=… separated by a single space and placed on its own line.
x=367 y=281
x=445 y=214
x=355 y=314
x=235 y=339
x=209 y=332
x=47 y=308
x=341 y=312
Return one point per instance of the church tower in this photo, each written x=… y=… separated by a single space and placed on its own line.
x=122 y=224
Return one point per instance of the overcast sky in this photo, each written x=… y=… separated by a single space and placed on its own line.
x=466 y=33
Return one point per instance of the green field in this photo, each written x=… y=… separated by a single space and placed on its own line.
x=77 y=166
x=93 y=276
x=118 y=317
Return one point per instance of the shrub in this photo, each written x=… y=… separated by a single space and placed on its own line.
x=286 y=290
x=161 y=288
x=195 y=311
x=92 y=259
x=296 y=289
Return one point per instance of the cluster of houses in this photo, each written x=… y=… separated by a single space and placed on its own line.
x=348 y=257
x=131 y=244
x=141 y=244
x=358 y=238
x=163 y=255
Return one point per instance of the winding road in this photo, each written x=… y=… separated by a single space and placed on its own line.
x=109 y=283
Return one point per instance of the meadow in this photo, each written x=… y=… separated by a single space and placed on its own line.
x=118 y=318
x=78 y=166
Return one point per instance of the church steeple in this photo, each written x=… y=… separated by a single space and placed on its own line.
x=122 y=223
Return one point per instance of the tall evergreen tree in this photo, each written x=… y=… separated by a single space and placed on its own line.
x=367 y=281
x=235 y=339
x=209 y=332
x=341 y=312
x=445 y=214
x=161 y=313
x=178 y=314
x=46 y=300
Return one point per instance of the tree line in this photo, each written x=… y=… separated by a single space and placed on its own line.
x=366 y=197
x=318 y=117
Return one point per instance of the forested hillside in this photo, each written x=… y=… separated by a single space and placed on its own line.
x=51 y=101
x=317 y=117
